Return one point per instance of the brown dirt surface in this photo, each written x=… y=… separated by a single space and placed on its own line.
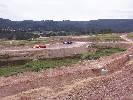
x=57 y=83
x=77 y=82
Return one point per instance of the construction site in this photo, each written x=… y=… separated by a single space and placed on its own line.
x=106 y=77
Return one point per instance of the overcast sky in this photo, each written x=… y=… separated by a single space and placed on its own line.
x=66 y=9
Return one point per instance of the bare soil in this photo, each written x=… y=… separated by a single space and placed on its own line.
x=82 y=81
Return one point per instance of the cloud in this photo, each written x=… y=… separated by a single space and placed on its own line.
x=2 y=6
x=65 y=9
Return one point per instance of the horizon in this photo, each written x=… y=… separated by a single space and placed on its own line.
x=62 y=20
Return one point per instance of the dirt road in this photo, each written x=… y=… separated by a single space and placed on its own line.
x=53 y=46
x=52 y=51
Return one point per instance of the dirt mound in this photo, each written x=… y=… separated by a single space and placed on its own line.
x=52 y=83
x=114 y=86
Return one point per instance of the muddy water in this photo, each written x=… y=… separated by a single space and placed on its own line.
x=12 y=63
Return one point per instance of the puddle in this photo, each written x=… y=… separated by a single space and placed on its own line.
x=12 y=63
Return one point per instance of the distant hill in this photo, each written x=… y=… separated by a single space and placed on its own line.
x=93 y=26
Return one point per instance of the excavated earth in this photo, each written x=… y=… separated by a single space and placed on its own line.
x=82 y=81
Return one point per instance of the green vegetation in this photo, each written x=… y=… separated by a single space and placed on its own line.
x=38 y=65
x=93 y=38
x=105 y=37
x=50 y=63
x=100 y=53
x=130 y=36
x=23 y=42
x=17 y=35
x=66 y=26
x=8 y=71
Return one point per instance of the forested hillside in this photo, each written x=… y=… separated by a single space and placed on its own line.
x=66 y=27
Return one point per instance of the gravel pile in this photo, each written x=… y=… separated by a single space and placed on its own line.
x=116 y=86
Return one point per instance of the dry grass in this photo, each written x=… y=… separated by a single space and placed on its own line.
x=105 y=37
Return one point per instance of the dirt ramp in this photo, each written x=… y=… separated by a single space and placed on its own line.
x=113 y=87
x=58 y=79
x=53 y=79
x=117 y=86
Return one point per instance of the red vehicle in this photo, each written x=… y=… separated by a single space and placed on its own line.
x=39 y=46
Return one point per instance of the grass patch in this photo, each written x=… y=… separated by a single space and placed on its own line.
x=53 y=63
x=105 y=37
x=50 y=63
x=23 y=42
x=37 y=66
x=130 y=36
x=8 y=71
x=100 y=53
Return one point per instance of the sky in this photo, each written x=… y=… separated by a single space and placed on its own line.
x=76 y=10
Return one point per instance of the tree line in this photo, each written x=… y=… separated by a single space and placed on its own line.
x=16 y=35
x=66 y=27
